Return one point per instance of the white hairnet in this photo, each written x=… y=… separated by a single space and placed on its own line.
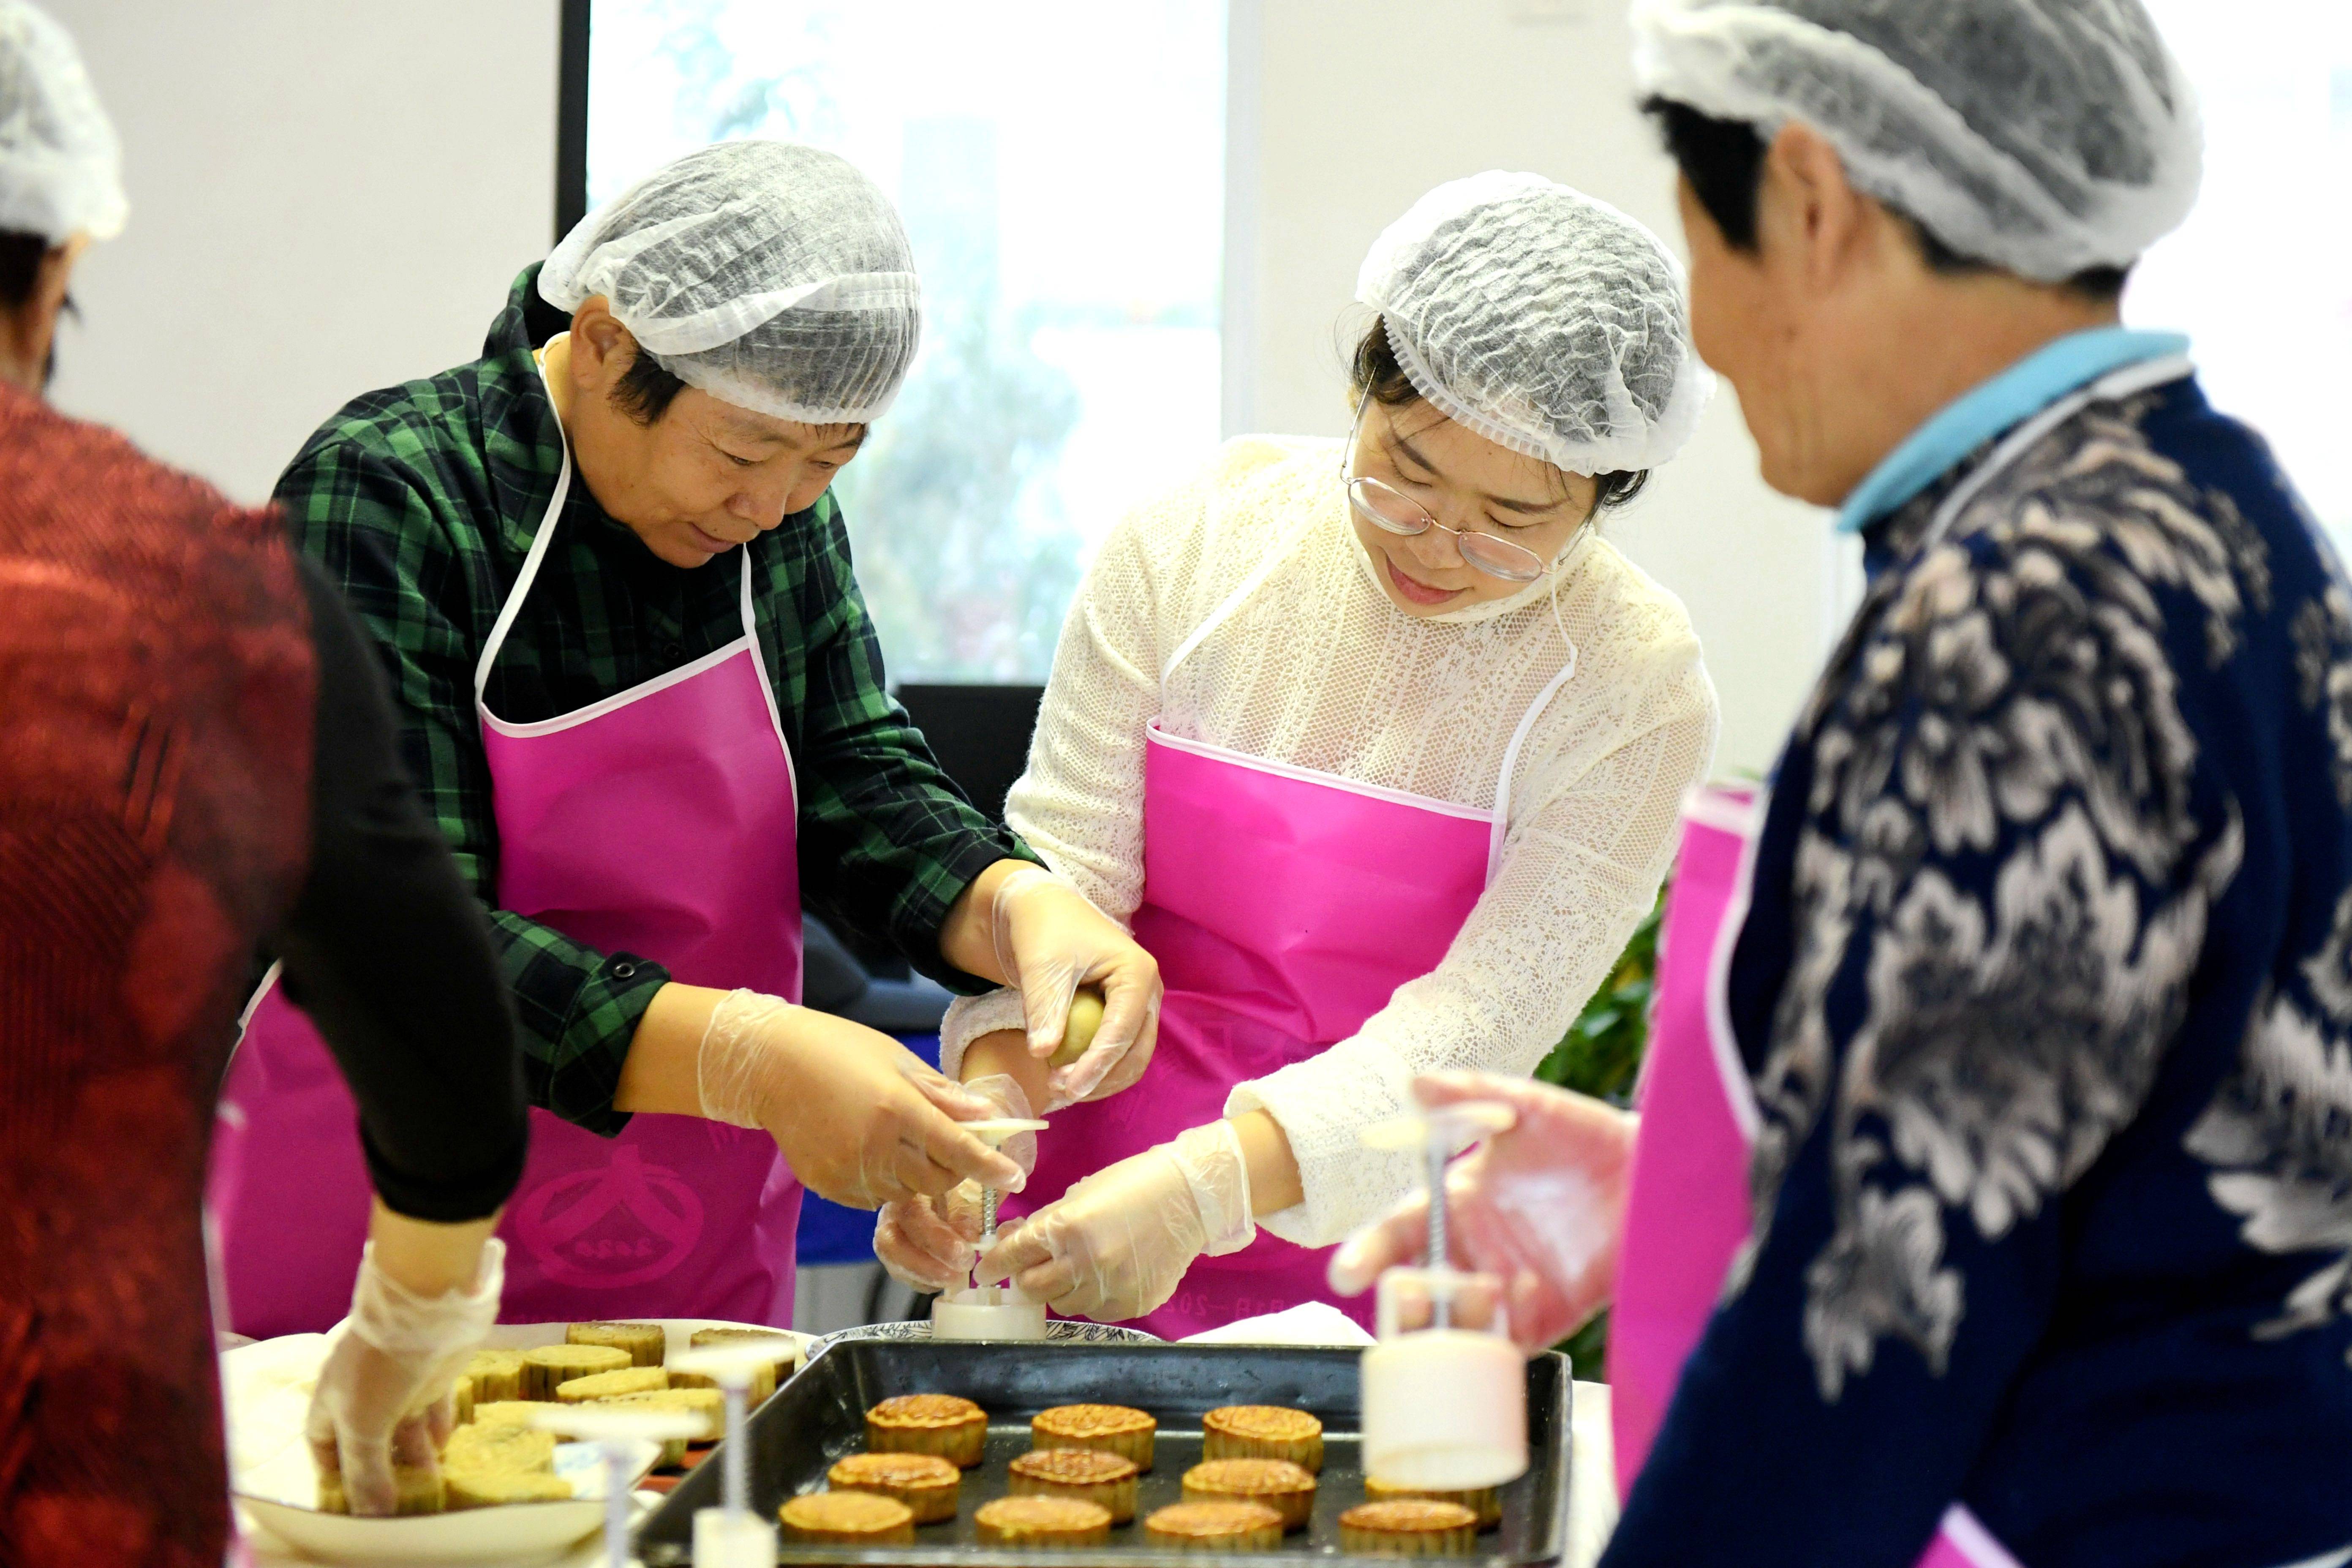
x=2046 y=137
x=1545 y=321
x=772 y=276
x=60 y=165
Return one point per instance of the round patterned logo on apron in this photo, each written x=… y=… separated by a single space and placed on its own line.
x=601 y=1229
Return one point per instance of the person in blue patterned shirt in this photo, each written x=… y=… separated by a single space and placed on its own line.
x=2045 y=985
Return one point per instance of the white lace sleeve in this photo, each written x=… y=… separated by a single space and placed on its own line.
x=1080 y=802
x=1581 y=869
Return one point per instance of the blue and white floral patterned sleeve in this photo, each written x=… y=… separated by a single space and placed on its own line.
x=1999 y=847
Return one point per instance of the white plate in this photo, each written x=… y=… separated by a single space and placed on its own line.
x=267 y=1387
x=517 y=1532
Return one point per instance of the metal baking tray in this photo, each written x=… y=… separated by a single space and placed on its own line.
x=820 y=1415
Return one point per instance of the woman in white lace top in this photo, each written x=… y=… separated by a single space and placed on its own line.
x=1410 y=738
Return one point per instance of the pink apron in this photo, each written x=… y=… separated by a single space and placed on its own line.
x=1285 y=907
x=1688 y=1209
x=660 y=821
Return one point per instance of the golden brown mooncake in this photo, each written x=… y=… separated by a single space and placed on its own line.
x=1084 y=1475
x=848 y=1519
x=765 y=1381
x=1042 y=1521
x=415 y=1489
x=931 y=1487
x=1486 y=1502
x=1416 y=1528
x=1262 y=1432
x=1280 y=1485
x=953 y=1429
x=495 y=1446
x=472 y=1488
x=497 y=1374
x=1107 y=1428
x=599 y=1386
x=647 y=1343
x=1215 y=1527
x=549 y=1367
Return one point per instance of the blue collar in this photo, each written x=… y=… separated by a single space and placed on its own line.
x=2013 y=396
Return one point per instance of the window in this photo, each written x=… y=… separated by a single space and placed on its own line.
x=1060 y=168
x=2259 y=274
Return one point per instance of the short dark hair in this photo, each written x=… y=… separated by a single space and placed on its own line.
x=21 y=256
x=645 y=389
x=1724 y=161
x=1376 y=373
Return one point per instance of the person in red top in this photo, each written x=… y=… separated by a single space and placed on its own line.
x=196 y=764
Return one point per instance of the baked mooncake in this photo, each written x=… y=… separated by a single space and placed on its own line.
x=647 y=1343
x=1486 y=1502
x=1109 y=1428
x=473 y=1488
x=549 y=1367
x=763 y=1381
x=1280 y=1485
x=1262 y=1432
x=1215 y=1527
x=1418 y=1528
x=415 y=1489
x=1042 y=1521
x=1084 y=1475
x=497 y=1374
x=930 y=1486
x=942 y=1424
x=848 y=1519
x=599 y=1386
x=498 y=1447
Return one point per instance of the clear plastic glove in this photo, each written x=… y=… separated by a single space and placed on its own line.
x=930 y=1243
x=1115 y=1245
x=385 y=1394
x=1541 y=1206
x=1049 y=942
x=861 y=1120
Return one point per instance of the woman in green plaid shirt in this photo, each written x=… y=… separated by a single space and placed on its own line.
x=569 y=547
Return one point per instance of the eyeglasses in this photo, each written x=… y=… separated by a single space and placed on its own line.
x=1392 y=511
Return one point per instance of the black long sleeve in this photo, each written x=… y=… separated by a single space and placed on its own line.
x=389 y=952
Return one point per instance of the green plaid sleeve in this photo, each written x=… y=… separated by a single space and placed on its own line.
x=887 y=841
x=386 y=511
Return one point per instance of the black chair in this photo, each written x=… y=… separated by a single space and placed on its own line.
x=980 y=736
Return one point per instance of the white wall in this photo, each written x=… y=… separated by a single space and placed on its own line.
x=324 y=198
x=327 y=198
x=1356 y=107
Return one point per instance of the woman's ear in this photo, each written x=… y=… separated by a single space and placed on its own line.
x=29 y=332
x=600 y=347
x=1811 y=221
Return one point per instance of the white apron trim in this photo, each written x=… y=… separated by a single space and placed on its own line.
x=2124 y=383
x=1209 y=749
x=541 y=537
x=1973 y=1540
x=1498 y=819
x=618 y=701
x=1738 y=1090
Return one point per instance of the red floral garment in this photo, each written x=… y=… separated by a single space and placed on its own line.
x=156 y=686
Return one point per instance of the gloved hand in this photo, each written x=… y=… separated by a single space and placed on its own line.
x=928 y=1243
x=1115 y=1245
x=861 y=1120
x=1049 y=942
x=1541 y=1206
x=385 y=1394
